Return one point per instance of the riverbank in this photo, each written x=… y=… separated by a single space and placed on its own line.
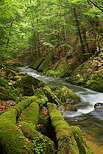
x=88 y=74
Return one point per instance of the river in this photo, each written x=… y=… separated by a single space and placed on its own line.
x=89 y=120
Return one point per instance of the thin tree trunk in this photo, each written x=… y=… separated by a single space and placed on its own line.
x=8 y=40
x=79 y=31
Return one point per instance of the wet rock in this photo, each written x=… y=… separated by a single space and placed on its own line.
x=98 y=106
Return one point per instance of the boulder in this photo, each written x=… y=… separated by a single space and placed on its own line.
x=98 y=106
x=6 y=92
x=67 y=96
x=28 y=85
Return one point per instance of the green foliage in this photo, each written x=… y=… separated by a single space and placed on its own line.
x=37 y=25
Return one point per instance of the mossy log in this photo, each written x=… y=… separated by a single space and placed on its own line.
x=51 y=96
x=12 y=140
x=46 y=62
x=69 y=138
x=83 y=149
x=65 y=138
x=27 y=122
x=37 y=63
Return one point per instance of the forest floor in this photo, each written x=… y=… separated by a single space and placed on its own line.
x=4 y=105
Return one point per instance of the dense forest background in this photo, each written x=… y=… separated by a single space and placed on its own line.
x=73 y=28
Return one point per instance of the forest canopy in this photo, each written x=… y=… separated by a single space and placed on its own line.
x=39 y=25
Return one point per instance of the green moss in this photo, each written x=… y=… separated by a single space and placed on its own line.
x=64 y=136
x=51 y=96
x=30 y=115
x=88 y=74
x=6 y=92
x=40 y=94
x=10 y=115
x=53 y=73
x=62 y=66
x=83 y=149
x=27 y=122
x=28 y=84
x=12 y=139
x=65 y=94
x=95 y=81
x=38 y=139
x=24 y=104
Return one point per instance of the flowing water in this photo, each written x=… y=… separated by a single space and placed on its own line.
x=85 y=117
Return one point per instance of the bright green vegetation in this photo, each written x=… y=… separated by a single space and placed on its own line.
x=53 y=73
x=28 y=121
x=11 y=139
x=41 y=27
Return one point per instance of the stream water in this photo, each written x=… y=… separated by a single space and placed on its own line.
x=85 y=117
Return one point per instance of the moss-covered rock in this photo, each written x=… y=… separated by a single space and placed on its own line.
x=65 y=94
x=12 y=139
x=6 y=92
x=89 y=74
x=51 y=96
x=28 y=84
x=24 y=104
x=95 y=81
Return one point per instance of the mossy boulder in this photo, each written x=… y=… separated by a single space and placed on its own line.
x=95 y=81
x=12 y=139
x=67 y=96
x=6 y=92
x=89 y=74
x=83 y=148
x=28 y=85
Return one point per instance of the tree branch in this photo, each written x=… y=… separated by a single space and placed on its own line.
x=89 y=1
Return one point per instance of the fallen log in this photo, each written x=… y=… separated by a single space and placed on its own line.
x=69 y=139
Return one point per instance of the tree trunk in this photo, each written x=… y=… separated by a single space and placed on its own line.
x=79 y=32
